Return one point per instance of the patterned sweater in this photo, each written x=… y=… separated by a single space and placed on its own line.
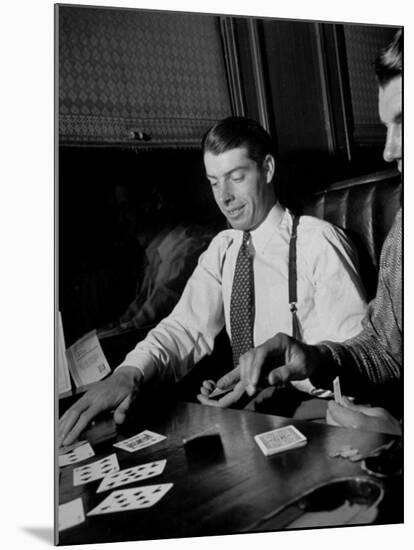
x=370 y=364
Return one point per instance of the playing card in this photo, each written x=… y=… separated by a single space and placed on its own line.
x=77 y=455
x=218 y=392
x=131 y=499
x=139 y=441
x=129 y=475
x=71 y=513
x=281 y=439
x=95 y=470
x=337 y=390
x=69 y=448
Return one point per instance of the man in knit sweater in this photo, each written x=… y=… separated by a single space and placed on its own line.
x=369 y=365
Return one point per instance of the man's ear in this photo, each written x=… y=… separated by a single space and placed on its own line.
x=269 y=167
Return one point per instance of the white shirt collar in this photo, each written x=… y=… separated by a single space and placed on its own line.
x=261 y=235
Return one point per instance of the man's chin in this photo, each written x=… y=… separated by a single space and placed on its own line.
x=239 y=224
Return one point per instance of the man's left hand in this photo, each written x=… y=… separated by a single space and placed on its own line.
x=362 y=417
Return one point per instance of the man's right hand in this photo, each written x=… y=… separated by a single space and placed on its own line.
x=292 y=360
x=116 y=392
x=230 y=384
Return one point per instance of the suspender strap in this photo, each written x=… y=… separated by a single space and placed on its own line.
x=293 y=279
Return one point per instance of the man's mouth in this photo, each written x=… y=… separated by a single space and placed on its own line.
x=234 y=212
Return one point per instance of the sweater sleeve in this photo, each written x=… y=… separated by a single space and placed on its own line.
x=373 y=358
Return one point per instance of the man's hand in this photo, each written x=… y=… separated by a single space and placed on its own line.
x=296 y=362
x=116 y=392
x=291 y=359
x=362 y=417
x=230 y=381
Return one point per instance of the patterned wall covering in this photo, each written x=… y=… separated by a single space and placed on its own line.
x=157 y=72
x=362 y=46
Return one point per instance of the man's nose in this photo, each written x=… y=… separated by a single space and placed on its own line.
x=392 y=149
x=226 y=194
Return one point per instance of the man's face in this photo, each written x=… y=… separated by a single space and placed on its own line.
x=390 y=111
x=241 y=188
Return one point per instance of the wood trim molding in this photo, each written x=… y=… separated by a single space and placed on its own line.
x=332 y=64
x=231 y=59
x=258 y=72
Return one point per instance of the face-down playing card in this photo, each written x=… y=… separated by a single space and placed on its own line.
x=337 y=391
x=76 y=455
x=139 y=441
x=95 y=470
x=131 y=499
x=130 y=475
x=280 y=439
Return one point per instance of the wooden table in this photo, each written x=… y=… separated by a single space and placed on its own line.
x=216 y=493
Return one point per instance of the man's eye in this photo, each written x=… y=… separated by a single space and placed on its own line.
x=213 y=183
x=237 y=178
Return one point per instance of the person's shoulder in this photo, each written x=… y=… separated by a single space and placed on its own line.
x=213 y=258
x=312 y=222
x=396 y=228
x=393 y=242
x=223 y=239
x=311 y=228
x=318 y=237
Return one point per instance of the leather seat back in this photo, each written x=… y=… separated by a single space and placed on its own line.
x=365 y=208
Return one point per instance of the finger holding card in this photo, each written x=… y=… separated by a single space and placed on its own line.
x=223 y=397
x=220 y=392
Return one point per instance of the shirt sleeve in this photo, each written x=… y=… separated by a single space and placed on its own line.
x=373 y=358
x=339 y=298
x=188 y=333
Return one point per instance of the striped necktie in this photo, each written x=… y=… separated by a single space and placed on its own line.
x=242 y=302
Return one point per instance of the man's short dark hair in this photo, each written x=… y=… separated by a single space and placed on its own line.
x=234 y=132
x=389 y=63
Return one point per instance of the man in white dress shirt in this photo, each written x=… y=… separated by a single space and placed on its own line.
x=240 y=165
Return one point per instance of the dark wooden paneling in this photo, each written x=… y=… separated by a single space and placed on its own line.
x=295 y=86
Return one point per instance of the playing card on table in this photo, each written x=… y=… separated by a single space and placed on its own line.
x=68 y=448
x=77 y=455
x=131 y=499
x=139 y=441
x=129 y=475
x=95 y=470
x=337 y=390
x=70 y=514
x=281 y=439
